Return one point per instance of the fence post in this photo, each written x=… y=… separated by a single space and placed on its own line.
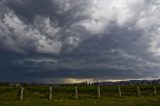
x=138 y=91
x=99 y=92
x=119 y=90
x=21 y=93
x=76 y=92
x=50 y=93
x=155 y=90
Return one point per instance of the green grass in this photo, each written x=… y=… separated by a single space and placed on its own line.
x=64 y=96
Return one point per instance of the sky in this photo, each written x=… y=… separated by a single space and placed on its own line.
x=65 y=41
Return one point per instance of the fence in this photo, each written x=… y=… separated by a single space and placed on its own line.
x=76 y=92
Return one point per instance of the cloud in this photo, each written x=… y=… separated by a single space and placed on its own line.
x=80 y=39
x=21 y=37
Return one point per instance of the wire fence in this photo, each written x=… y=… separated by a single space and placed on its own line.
x=75 y=92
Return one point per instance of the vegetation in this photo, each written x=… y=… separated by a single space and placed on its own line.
x=87 y=96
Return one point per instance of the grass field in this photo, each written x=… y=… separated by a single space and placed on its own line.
x=87 y=96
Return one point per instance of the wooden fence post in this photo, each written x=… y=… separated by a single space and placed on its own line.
x=138 y=91
x=50 y=93
x=99 y=92
x=119 y=90
x=155 y=90
x=76 y=93
x=21 y=93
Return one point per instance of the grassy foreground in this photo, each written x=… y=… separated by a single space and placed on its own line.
x=64 y=96
x=108 y=101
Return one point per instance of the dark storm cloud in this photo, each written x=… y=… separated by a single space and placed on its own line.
x=55 y=10
x=54 y=40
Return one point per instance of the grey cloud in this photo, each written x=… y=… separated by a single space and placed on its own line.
x=48 y=39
